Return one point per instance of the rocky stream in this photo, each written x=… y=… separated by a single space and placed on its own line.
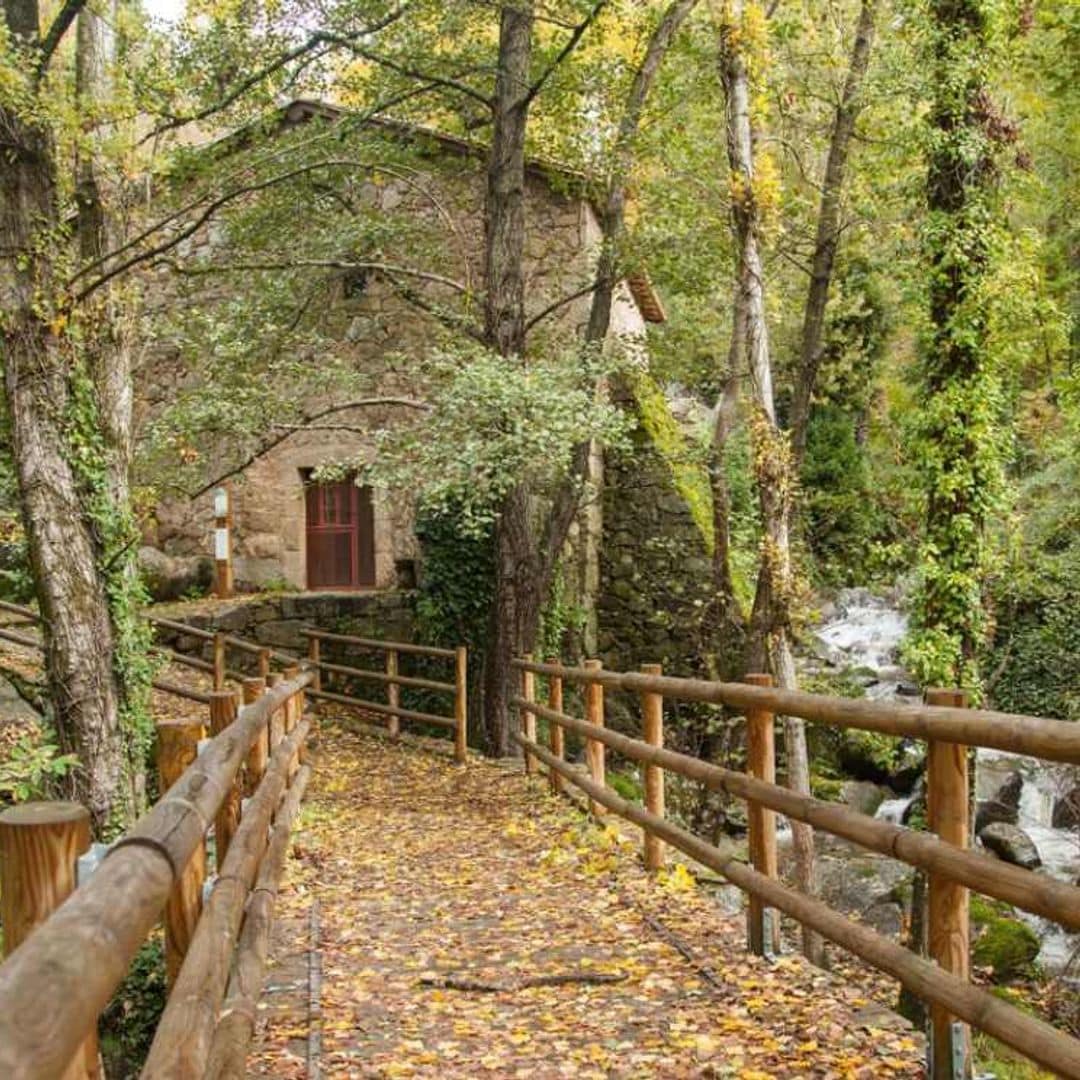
x=1027 y=811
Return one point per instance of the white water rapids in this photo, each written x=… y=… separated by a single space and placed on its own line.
x=865 y=632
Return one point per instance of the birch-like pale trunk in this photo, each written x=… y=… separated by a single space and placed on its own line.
x=770 y=630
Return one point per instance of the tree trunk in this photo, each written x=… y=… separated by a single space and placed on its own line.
x=771 y=619
x=828 y=229
x=515 y=601
x=39 y=365
x=728 y=624
x=613 y=214
x=109 y=351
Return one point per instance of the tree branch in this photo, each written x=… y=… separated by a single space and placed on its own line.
x=193 y=204
x=321 y=264
x=554 y=306
x=313 y=42
x=51 y=42
x=564 y=52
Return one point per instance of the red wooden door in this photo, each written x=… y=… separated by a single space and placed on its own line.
x=340 y=536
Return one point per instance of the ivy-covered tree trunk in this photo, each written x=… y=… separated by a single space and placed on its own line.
x=50 y=410
x=516 y=603
x=770 y=625
x=960 y=461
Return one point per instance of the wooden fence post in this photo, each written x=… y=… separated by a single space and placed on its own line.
x=461 y=704
x=557 y=734
x=222 y=713
x=594 y=751
x=293 y=711
x=39 y=845
x=277 y=717
x=763 y=934
x=259 y=754
x=652 y=724
x=528 y=718
x=393 y=693
x=313 y=658
x=264 y=663
x=177 y=748
x=947 y=810
x=219 y=660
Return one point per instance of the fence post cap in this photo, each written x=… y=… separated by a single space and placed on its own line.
x=44 y=812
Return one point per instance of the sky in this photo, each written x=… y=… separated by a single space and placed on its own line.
x=165 y=10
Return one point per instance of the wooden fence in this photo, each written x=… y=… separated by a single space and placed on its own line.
x=394 y=680
x=952 y=868
x=54 y=985
x=263 y=658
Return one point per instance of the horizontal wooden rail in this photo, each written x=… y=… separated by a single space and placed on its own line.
x=78 y=957
x=182 y=627
x=20 y=609
x=1036 y=1039
x=372 y=643
x=1053 y=740
x=1037 y=893
x=185 y=1031
x=236 y=1025
x=385 y=677
x=177 y=690
x=385 y=710
x=20 y=639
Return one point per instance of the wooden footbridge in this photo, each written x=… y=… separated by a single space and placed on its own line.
x=473 y=921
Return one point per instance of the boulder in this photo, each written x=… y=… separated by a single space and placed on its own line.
x=863 y=796
x=886 y=917
x=991 y=811
x=1004 y=806
x=170 y=577
x=1011 y=844
x=1010 y=791
x=1067 y=810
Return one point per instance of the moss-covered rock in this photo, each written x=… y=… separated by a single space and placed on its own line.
x=1005 y=945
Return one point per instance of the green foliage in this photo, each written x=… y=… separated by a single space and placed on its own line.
x=457 y=585
x=496 y=423
x=841 y=517
x=629 y=787
x=1035 y=653
x=127 y=1025
x=961 y=406
x=562 y=620
x=31 y=769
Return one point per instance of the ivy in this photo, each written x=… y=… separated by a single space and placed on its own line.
x=961 y=408
x=116 y=536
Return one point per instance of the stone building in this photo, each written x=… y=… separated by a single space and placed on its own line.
x=293 y=534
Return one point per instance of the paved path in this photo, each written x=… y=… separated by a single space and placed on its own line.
x=426 y=878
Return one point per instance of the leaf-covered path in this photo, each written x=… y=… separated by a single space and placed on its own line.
x=423 y=875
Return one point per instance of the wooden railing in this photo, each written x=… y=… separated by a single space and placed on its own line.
x=393 y=680
x=216 y=668
x=943 y=853
x=59 y=977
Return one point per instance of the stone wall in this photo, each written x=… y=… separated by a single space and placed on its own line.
x=372 y=327
x=276 y=619
x=655 y=567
